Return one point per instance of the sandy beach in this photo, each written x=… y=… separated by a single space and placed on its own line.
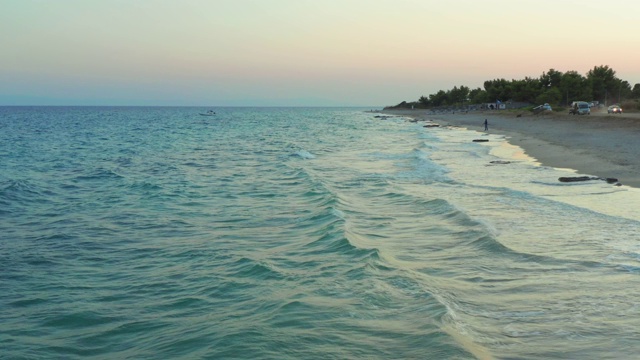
x=599 y=144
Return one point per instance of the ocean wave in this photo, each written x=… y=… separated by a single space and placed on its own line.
x=78 y=320
x=254 y=270
x=303 y=154
x=145 y=186
x=21 y=189
x=99 y=174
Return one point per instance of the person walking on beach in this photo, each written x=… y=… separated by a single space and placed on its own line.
x=486 y=125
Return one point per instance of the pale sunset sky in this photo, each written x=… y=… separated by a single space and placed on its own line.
x=298 y=52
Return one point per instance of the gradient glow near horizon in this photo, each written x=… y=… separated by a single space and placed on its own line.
x=298 y=52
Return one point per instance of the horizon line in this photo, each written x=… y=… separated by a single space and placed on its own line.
x=218 y=106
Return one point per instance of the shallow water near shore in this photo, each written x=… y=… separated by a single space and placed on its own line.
x=302 y=233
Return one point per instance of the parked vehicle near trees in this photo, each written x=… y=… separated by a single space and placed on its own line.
x=541 y=108
x=580 y=108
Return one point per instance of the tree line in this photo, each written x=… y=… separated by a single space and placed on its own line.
x=552 y=87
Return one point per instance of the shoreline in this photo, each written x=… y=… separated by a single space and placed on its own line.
x=606 y=146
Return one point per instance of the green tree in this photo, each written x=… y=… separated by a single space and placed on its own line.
x=424 y=101
x=498 y=89
x=458 y=95
x=439 y=98
x=550 y=96
x=624 y=90
x=479 y=96
x=604 y=83
x=550 y=79
x=635 y=93
x=525 y=90
x=553 y=87
x=574 y=87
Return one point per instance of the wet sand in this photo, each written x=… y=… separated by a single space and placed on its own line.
x=600 y=144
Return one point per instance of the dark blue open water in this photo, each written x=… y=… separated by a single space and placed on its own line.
x=295 y=233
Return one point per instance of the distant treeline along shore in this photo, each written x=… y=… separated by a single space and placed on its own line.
x=552 y=87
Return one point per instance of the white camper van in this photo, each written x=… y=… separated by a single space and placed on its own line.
x=580 y=108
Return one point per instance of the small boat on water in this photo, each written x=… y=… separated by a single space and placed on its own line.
x=208 y=113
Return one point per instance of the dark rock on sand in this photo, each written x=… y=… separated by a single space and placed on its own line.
x=588 y=178
x=577 y=178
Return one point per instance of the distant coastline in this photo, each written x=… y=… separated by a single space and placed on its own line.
x=553 y=87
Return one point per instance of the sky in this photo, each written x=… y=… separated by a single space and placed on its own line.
x=298 y=52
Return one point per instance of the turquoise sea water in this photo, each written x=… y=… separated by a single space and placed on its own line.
x=302 y=233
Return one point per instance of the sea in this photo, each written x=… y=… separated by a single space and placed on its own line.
x=302 y=233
